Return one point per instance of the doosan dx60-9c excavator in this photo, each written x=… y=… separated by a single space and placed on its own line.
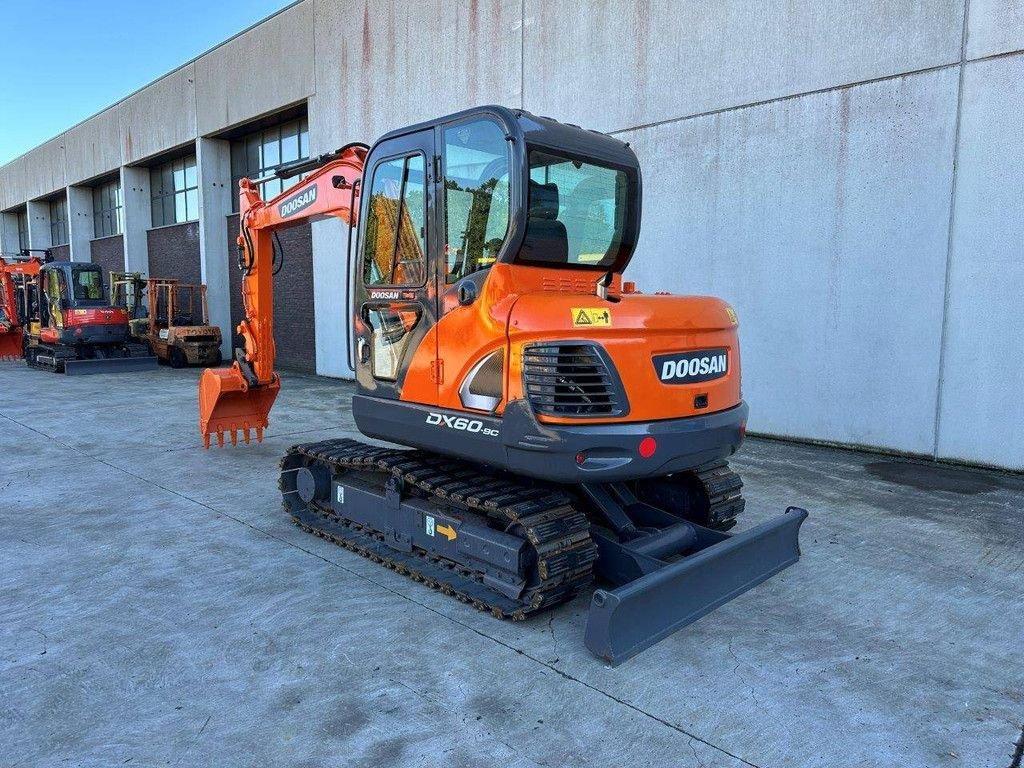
x=564 y=426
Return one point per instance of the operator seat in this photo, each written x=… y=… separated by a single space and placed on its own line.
x=546 y=237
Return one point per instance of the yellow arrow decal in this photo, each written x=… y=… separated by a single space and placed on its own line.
x=447 y=531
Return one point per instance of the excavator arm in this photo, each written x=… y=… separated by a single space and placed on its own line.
x=239 y=398
x=10 y=320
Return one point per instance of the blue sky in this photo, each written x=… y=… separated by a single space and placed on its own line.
x=64 y=60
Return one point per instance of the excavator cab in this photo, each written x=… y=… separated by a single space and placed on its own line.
x=567 y=425
x=76 y=330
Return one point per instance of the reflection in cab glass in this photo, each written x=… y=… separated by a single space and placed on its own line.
x=476 y=196
x=394 y=254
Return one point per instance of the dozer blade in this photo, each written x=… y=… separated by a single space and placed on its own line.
x=624 y=621
x=110 y=365
x=10 y=345
x=228 y=404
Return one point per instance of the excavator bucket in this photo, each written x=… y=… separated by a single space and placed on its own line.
x=229 y=404
x=657 y=595
x=10 y=345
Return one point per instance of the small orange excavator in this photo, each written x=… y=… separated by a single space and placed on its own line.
x=564 y=426
x=17 y=277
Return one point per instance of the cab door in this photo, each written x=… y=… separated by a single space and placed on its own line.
x=55 y=298
x=395 y=286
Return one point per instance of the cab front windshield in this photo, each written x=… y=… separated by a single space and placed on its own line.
x=87 y=284
x=576 y=211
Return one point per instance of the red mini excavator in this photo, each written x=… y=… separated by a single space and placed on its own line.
x=564 y=426
x=72 y=328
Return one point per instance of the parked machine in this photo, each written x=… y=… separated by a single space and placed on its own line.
x=16 y=277
x=171 y=317
x=565 y=426
x=73 y=329
x=128 y=290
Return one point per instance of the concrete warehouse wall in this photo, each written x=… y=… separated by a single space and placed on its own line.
x=847 y=174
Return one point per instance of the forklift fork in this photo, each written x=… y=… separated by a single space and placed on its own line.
x=666 y=572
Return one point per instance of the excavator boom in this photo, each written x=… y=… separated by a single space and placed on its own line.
x=238 y=399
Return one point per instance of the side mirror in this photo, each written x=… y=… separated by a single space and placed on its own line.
x=467 y=292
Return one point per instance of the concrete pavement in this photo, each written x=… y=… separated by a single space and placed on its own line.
x=157 y=608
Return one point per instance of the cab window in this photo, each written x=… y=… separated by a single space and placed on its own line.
x=87 y=284
x=476 y=196
x=394 y=250
x=576 y=211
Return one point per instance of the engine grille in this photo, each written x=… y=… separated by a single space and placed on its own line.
x=571 y=380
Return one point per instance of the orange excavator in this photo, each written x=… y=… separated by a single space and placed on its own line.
x=564 y=427
x=17 y=277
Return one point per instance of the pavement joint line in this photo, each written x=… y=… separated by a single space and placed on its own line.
x=542 y=663
x=677 y=728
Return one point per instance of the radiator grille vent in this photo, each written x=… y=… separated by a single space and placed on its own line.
x=571 y=380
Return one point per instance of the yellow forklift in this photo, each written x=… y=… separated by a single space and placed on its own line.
x=171 y=317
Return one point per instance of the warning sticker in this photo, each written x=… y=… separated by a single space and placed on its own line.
x=430 y=525
x=591 y=316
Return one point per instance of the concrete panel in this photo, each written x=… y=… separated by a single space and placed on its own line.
x=35 y=174
x=233 y=85
x=9 y=234
x=39 y=224
x=81 y=228
x=995 y=26
x=213 y=157
x=138 y=218
x=12 y=184
x=615 y=64
x=824 y=220
x=162 y=116
x=983 y=379
x=381 y=66
x=93 y=147
x=330 y=298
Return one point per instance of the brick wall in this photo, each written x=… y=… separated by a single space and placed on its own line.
x=108 y=252
x=293 y=297
x=174 y=252
x=61 y=252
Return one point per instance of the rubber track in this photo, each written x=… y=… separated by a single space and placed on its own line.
x=544 y=516
x=723 y=488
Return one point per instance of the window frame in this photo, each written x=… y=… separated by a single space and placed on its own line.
x=165 y=194
x=23 y=242
x=59 y=222
x=248 y=150
x=107 y=209
x=630 y=230
x=406 y=156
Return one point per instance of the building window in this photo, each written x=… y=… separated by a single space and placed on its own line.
x=59 y=222
x=260 y=151
x=108 y=209
x=22 y=230
x=175 y=190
